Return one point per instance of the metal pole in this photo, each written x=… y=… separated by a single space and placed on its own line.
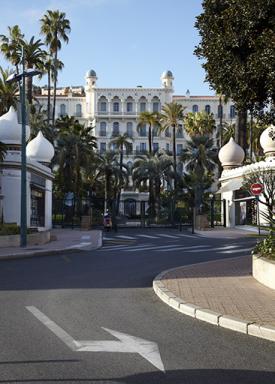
x=258 y=215
x=23 y=217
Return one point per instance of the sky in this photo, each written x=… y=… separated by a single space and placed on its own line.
x=127 y=42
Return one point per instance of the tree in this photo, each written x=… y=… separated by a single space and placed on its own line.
x=34 y=57
x=55 y=27
x=155 y=168
x=75 y=150
x=38 y=122
x=237 y=44
x=121 y=142
x=152 y=119
x=8 y=92
x=108 y=169
x=200 y=159
x=199 y=123
x=11 y=46
x=171 y=115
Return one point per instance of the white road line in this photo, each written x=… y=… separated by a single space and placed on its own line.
x=125 y=237
x=148 y=236
x=238 y=250
x=146 y=248
x=183 y=248
x=58 y=331
x=219 y=249
x=184 y=235
x=122 y=247
x=169 y=236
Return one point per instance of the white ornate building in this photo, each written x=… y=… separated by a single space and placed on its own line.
x=115 y=110
x=39 y=176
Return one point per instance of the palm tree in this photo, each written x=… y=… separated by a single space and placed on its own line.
x=49 y=68
x=8 y=92
x=199 y=123
x=34 y=58
x=11 y=46
x=109 y=169
x=38 y=122
x=152 y=119
x=200 y=159
x=55 y=27
x=75 y=150
x=172 y=114
x=155 y=168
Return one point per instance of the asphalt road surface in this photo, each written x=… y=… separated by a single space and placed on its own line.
x=92 y=317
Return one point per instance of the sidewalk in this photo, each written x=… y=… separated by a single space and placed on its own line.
x=230 y=233
x=63 y=241
x=223 y=293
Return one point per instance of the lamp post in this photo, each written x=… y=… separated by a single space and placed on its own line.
x=212 y=198
x=20 y=78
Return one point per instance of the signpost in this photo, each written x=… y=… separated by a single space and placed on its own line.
x=256 y=189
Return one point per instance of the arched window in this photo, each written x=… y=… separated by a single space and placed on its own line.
x=115 y=128
x=129 y=129
x=62 y=110
x=78 y=110
x=232 y=112
x=220 y=111
x=156 y=104
x=195 y=108
x=116 y=104
x=207 y=109
x=167 y=132
x=102 y=129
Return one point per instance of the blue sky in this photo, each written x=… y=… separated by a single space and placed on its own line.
x=127 y=42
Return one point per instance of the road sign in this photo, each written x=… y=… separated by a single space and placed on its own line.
x=126 y=343
x=256 y=189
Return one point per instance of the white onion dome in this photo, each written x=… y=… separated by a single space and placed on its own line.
x=91 y=73
x=167 y=74
x=10 y=129
x=40 y=149
x=267 y=141
x=231 y=155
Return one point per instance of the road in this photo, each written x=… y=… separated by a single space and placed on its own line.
x=104 y=298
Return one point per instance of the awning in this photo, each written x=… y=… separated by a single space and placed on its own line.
x=231 y=185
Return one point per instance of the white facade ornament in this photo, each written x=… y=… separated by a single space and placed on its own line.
x=267 y=141
x=40 y=149
x=231 y=155
x=167 y=79
x=10 y=129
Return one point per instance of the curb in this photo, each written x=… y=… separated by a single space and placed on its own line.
x=57 y=251
x=247 y=327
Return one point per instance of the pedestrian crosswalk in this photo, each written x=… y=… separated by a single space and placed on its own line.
x=155 y=236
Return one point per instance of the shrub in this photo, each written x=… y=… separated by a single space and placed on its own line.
x=9 y=229
x=266 y=248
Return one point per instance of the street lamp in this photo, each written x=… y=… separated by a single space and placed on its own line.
x=20 y=78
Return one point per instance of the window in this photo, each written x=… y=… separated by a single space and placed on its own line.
x=102 y=147
x=220 y=111
x=155 y=147
x=179 y=149
x=232 y=112
x=103 y=106
x=207 y=109
x=142 y=147
x=129 y=107
x=129 y=149
x=62 y=109
x=78 y=110
x=115 y=128
x=167 y=147
x=129 y=129
x=102 y=129
x=155 y=106
x=155 y=131
x=179 y=132
x=142 y=107
x=167 y=132
x=116 y=106
x=142 y=131
x=195 y=108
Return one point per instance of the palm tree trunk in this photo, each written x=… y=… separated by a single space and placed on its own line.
x=174 y=154
x=106 y=187
x=119 y=189
x=221 y=121
x=49 y=98
x=29 y=87
x=54 y=86
x=150 y=138
x=240 y=133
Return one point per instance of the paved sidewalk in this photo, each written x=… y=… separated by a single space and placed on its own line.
x=221 y=292
x=63 y=240
x=230 y=233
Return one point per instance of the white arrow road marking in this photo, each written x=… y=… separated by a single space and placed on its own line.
x=127 y=344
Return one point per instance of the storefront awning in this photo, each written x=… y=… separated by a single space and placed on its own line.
x=231 y=185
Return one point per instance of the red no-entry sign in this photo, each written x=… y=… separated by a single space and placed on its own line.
x=256 y=189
